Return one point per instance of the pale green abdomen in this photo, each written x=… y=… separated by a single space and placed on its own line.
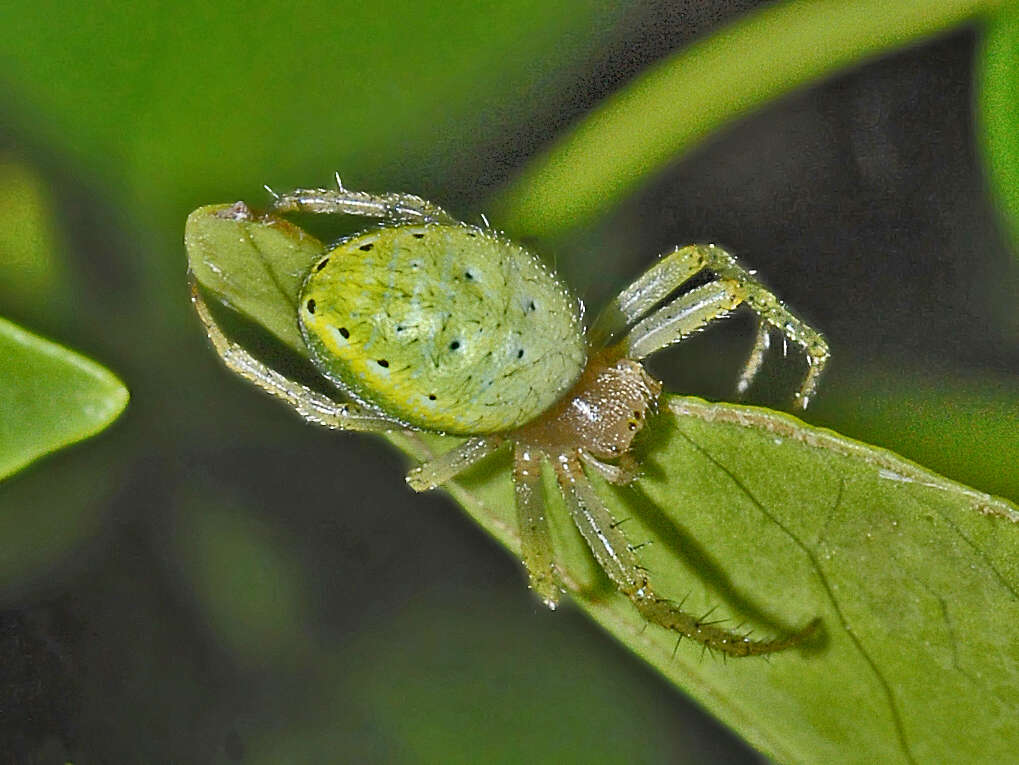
x=446 y=328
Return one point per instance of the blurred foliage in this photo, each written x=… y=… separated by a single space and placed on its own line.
x=204 y=98
x=140 y=113
x=407 y=675
x=51 y=396
x=998 y=79
x=256 y=605
x=32 y=272
x=963 y=426
x=676 y=104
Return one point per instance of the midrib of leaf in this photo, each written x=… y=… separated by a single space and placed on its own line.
x=879 y=676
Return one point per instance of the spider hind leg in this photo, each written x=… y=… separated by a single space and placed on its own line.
x=619 y=560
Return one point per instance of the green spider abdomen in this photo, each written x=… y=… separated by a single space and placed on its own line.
x=444 y=327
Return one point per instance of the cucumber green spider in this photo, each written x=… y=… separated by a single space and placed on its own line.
x=430 y=324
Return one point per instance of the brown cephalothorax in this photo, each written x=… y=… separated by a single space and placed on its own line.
x=601 y=414
x=429 y=324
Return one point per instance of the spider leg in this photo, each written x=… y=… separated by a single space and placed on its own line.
x=762 y=341
x=645 y=292
x=689 y=312
x=680 y=318
x=535 y=538
x=405 y=208
x=619 y=561
x=435 y=472
x=310 y=404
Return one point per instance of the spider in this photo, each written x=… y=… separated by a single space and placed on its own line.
x=427 y=323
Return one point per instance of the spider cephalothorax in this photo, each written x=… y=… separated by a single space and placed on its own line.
x=426 y=323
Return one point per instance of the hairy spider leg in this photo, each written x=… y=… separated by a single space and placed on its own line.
x=617 y=558
x=310 y=404
x=536 y=550
x=687 y=313
x=680 y=318
x=406 y=208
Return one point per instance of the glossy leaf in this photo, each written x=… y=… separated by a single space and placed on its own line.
x=772 y=522
x=49 y=397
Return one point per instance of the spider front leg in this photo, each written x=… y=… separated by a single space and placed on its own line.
x=691 y=311
x=619 y=561
x=403 y=208
x=310 y=404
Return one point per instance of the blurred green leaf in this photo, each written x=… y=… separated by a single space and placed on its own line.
x=243 y=577
x=51 y=397
x=205 y=96
x=31 y=273
x=776 y=522
x=511 y=701
x=674 y=105
x=998 y=100
x=50 y=513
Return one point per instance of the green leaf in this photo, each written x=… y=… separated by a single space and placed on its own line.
x=773 y=522
x=675 y=104
x=917 y=414
x=519 y=705
x=52 y=397
x=998 y=84
x=256 y=264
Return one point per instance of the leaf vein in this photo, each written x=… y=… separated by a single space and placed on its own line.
x=861 y=649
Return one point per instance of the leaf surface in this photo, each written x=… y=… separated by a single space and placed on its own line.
x=50 y=397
